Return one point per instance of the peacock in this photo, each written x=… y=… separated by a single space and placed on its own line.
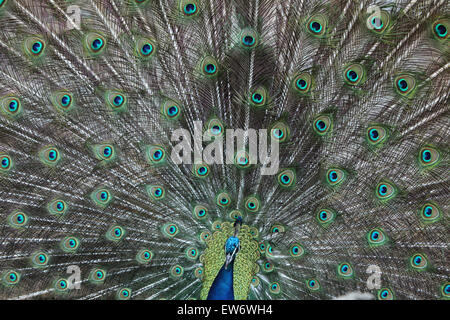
x=224 y=149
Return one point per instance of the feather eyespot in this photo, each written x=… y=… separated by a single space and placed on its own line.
x=302 y=83
x=386 y=191
x=286 y=178
x=313 y=284
x=385 y=294
x=296 y=250
x=376 y=135
x=405 y=85
x=200 y=212
x=70 y=244
x=335 y=176
x=11 y=107
x=156 y=155
x=378 y=23
x=258 y=98
x=115 y=233
x=124 y=294
x=325 y=216
x=170 y=230
x=94 y=43
x=101 y=197
x=97 y=275
x=156 y=192
x=252 y=204
x=50 y=156
x=18 y=219
x=430 y=212
x=419 y=261
x=345 y=270
x=176 y=271
x=280 y=132
x=275 y=288
x=57 y=207
x=191 y=253
x=144 y=256
x=249 y=38
x=189 y=8
x=200 y=170
x=317 y=25
x=440 y=29
x=445 y=290
x=322 y=124
x=171 y=109
x=376 y=237
x=11 y=277
x=145 y=48
x=6 y=163
x=354 y=74
x=429 y=156
x=35 y=47
x=209 y=66
x=223 y=200
x=39 y=259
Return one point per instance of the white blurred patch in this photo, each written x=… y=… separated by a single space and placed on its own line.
x=356 y=295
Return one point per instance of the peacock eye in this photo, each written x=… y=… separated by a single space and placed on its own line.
x=176 y=271
x=440 y=29
x=10 y=277
x=214 y=128
x=200 y=212
x=335 y=176
x=101 y=197
x=385 y=294
x=156 y=155
x=223 y=200
x=430 y=212
x=445 y=289
x=325 y=216
x=116 y=101
x=191 y=253
x=268 y=267
x=6 y=163
x=94 y=43
x=144 y=256
x=18 y=220
x=275 y=288
x=378 y=23
x=249 y=38
x=10 y=107
x=345 y=270
x=286 y=178
x=317 y=25
x=405 y=85
x=376 y=237
x=280 y=131
x=115 y=233
x=171 y=109
x=418 y=261
x=34 y=47
x=49 y=156
x=376 y=135
x=258 y=98
x=170 y=230
x=39 y=259
x=97 y=275
x=189 y=8
x=429 y=156
x=200 y=170
x=296 y=250
x=209 y=66
x=302 y=83
x=386 y=190
x=322 y=124
x=145 y=48
x=123 y=294
x=70 y=244
x=354 y=74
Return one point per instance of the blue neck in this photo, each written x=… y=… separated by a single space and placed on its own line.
x=222 y=287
